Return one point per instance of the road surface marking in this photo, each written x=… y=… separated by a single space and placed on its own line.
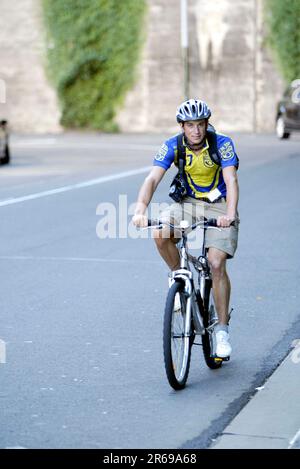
x=102 y=145
x=79 y=185
x=294 y=439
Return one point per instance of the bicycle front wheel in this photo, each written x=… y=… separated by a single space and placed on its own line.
x=177 y=346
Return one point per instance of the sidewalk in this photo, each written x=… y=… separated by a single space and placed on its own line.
x=271 y=420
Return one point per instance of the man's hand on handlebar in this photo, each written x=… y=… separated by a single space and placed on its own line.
x=224 y=221
x=140 y=221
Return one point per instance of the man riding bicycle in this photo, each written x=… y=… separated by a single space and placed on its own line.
x=208 y=186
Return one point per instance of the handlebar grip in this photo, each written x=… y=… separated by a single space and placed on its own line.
x=212 y=222
x=153 y=222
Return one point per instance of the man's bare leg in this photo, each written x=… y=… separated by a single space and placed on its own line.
x=167 y=248
x=221 y=283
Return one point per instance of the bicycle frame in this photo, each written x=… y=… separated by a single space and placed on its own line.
x=184 y=274
x=195 y=305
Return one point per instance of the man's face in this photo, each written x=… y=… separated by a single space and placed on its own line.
x=195 y=130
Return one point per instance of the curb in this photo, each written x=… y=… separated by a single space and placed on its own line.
x=271 y=420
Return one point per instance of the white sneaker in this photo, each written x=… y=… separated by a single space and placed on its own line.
x=177 y=303
x=223 y=348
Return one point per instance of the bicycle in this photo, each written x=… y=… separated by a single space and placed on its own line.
x=196 y=316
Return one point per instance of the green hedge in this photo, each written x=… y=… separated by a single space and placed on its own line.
x=93 y=48
x=283 y=19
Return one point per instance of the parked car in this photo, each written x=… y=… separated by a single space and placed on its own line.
x=288 y=111
x=4 y=145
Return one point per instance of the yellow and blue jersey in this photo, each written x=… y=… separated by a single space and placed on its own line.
x=202 y=175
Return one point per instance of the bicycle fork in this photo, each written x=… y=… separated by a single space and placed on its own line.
x=192 y=308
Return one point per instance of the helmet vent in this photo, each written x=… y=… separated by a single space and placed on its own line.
x=193 y=109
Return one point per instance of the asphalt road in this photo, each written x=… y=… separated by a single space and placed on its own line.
x=81 y=317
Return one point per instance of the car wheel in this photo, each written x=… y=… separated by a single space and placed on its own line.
x=7 y=154
x=6 y=158
x=280 y=129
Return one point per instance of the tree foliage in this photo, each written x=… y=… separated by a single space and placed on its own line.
x=283 y=19
x=93 y=47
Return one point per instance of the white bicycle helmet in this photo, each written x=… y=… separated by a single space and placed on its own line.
x=192 y=110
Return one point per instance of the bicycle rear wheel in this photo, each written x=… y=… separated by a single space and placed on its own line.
x=207 y=339
x=177 y=347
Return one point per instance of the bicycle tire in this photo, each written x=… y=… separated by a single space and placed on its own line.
x=177 y=368
x=211 y=362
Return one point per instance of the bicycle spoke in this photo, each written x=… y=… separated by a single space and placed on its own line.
x=177 y=342
x=177 y=348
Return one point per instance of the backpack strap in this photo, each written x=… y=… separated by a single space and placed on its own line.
x=180 y=157
x=213 y=151
x=211 y=136
x=213 y=147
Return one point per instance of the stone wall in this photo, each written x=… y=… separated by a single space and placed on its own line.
x=229 y=67
x=159 y=84
x=30 y=102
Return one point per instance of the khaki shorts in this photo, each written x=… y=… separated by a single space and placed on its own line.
x=192 y=210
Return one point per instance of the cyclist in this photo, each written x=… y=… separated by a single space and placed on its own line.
x=211 y=188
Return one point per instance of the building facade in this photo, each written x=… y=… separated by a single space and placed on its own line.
x=229 y=67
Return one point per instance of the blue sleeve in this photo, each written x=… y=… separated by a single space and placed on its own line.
x=165 y=156
x=227 y=152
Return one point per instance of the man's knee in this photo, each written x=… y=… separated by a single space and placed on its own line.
x=217 y=263
x=162 y=240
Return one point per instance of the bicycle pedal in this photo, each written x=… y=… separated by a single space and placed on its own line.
x=220 y=359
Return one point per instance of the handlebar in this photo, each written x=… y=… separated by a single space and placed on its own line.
x=206 y=223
